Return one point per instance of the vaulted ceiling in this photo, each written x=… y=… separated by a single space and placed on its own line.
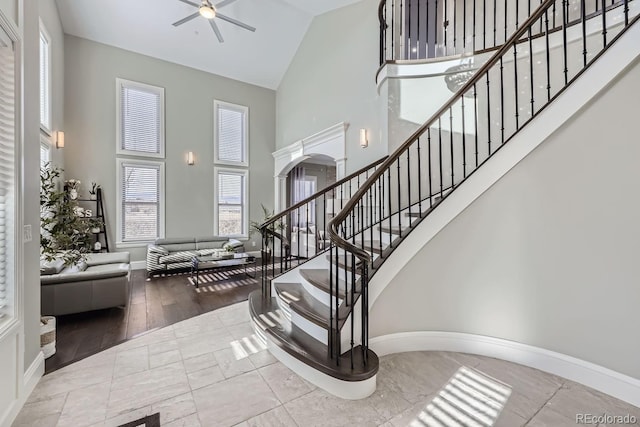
x=145 y=27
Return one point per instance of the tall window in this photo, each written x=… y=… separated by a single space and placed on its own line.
x=140 y=201
x=45 y=153
x=7 y=177
x=230 y=217
x=45 y=80
x=231 y=133
x=140 y=119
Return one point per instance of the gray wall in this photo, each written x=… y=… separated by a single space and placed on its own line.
x=51 y=20
x=332 y=79
x=90 y=122
x=549 y=255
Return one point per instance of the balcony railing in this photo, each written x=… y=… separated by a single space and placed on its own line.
x=425 y=29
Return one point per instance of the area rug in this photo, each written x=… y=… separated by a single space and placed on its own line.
x=152 y=420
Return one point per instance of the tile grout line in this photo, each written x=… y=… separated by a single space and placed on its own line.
x=545 y=403
x=276 y=396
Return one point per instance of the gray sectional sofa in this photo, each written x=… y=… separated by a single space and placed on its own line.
x=103 y=281
x=166 y=255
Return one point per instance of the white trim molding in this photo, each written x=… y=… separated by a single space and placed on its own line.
x=244 y=174
x=123 y=83
x=30 y=379
x=597 y=377
x=242 y=109
x=330 y=142
x=151 y=164
x=32 y=375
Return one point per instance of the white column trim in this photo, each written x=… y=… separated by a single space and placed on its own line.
x=330 y=142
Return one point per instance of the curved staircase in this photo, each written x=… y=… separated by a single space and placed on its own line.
x=313 y=313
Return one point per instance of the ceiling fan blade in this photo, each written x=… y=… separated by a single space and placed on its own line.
x=216 y=30
x=187 y=19
x=190 y=2
x=233 y=21
x=223 y=3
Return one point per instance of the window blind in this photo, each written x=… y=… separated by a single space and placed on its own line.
x=231 y=200
x=45 y=83
x=140 y=194
x=44 y=155
x=231 y=133
x=7 y=176
x=141 y=118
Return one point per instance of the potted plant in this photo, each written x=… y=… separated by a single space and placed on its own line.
x=93 y=191
x=267 y=238
x=72 y=186
x=64 y=234
x=95 y=225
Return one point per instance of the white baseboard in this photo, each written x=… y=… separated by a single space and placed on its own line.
x=597 y=377
x=33 y=375
x=30 y=380
x=138 y=265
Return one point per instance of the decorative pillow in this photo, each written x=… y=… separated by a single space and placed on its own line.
x=232 y=245
x=75 y=268
x=51 y=267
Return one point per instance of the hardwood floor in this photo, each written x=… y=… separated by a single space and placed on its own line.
x=153 y=304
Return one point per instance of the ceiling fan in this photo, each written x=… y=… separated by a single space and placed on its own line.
x=210 y=11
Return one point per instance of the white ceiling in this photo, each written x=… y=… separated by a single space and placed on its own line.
x=142 y=26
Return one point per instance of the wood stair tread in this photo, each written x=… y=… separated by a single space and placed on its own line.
x=394 y=229
x=307 y=306
x=373 y=246
x=319 y=277
x=309 y=350
x=345 y=261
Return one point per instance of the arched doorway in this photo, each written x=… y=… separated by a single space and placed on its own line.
x=329 y=145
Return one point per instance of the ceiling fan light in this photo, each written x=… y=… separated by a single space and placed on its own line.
x=207 y=11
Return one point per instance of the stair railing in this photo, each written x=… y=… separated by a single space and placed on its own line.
x=298 y=233
x=523 y=76
x=424 y=29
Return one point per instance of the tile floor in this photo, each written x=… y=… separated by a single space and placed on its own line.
x=208 y=371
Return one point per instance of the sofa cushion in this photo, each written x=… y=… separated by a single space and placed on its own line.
x=182 y=256
x=211 y=242
x=174 y=241
x=218 y=252
x=91 y=273
x=178 y=247
x=108 y=258
x=51 y=267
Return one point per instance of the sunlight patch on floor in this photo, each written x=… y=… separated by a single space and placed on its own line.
x=469 y=399
x=247 y=346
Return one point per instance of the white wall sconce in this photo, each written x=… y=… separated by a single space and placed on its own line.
x=191 y=159
x=364 y=142
x=60 y=139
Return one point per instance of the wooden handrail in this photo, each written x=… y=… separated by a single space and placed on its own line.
x=364 y=188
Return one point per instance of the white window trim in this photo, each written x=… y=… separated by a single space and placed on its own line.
x=143 y=86
x=43 y=126
x=245 y=200
x=13 y=324
x=245 y=149
x=45 y=142
x=161 y=206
